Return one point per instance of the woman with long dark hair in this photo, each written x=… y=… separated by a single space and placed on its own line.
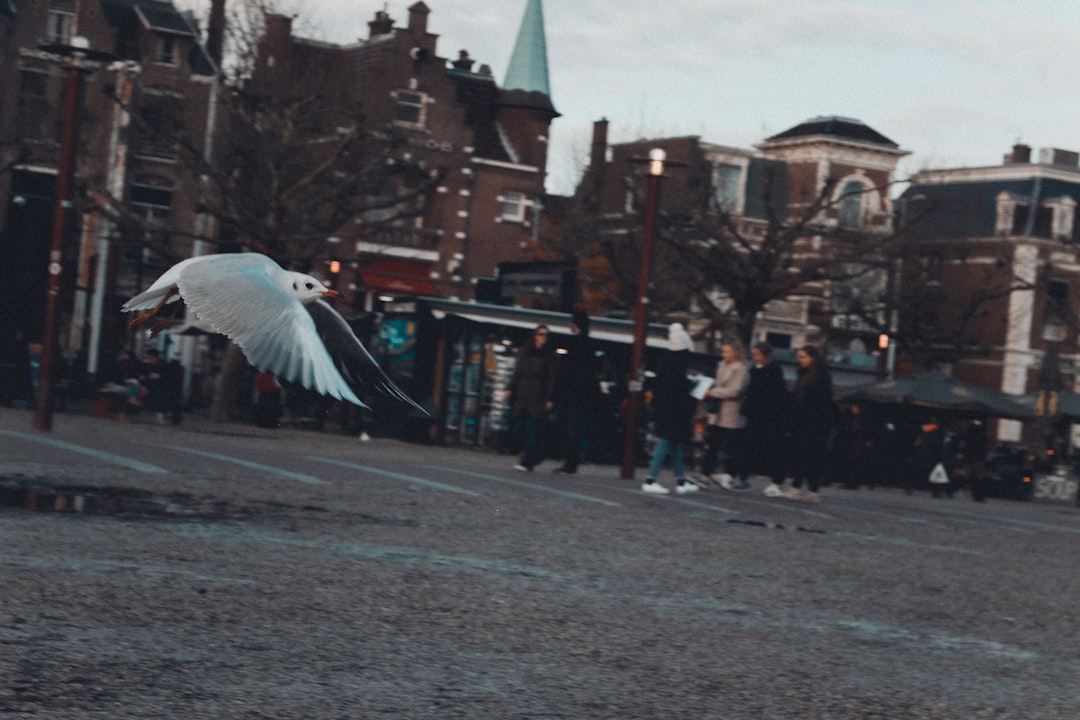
x=532 y=388
x=812 y=418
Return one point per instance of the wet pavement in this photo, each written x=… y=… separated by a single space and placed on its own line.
x=222 y=571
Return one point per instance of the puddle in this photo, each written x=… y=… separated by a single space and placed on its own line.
x=42 y=497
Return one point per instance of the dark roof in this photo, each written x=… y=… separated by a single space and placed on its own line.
x=163 y=17
x=478 y=94
x=969 y=209
x=843 y=128
x=532 y=100
x=125 y=17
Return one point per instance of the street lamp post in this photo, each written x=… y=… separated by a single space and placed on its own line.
x=43 y=414
x=635 y=383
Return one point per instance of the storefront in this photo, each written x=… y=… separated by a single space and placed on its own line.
x=470 y=349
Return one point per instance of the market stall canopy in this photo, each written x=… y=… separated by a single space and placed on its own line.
x=935 y=391
x=1067 y=404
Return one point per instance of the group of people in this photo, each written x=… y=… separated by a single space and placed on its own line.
x=540 y=386
x=753 y=422
x=755 y=425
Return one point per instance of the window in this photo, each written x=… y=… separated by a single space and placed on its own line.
x=512 y=206
x=152 y=199
x=1063 y=212
x=410 y=107
x=165 y=49
x=34 y=112
x=156 y=125
x=1057 y=294
x=727 y=187
x=59 y=21
x=851 y=205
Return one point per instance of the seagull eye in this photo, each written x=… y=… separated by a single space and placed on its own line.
x=309 y=286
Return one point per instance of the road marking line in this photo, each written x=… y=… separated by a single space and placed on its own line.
x=396 y=476
x=310 y=480
x=127 y=462
x=532 y=486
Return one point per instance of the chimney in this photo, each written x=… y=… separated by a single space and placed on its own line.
x=464 y=62
x=1020 y=154
x=278 y=29
x=418 y=18
x=383 y=24
x=215 y=33
x=598 y=150
x=1059 y=157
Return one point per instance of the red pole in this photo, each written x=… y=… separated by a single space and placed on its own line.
x=641 y=316
x=61 y=207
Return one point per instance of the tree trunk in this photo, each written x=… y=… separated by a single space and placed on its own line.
x=226 y=387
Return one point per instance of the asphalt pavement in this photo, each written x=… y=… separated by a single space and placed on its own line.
x=224 y=571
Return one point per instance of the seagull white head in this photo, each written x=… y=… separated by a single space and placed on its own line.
x=306 y=288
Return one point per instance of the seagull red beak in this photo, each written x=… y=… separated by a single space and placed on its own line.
x=331 y=294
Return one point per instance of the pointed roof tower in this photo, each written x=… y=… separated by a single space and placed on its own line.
x=528 y=68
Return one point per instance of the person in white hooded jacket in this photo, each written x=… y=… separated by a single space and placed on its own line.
x=673 y=408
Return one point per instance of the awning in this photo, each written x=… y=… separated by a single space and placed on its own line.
x=398 y=276
x=605 y=329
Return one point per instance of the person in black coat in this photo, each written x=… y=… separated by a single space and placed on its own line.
x=576 y=391
x=673 y=409
x=532 y=388
x=766 y=409
x=813 y=415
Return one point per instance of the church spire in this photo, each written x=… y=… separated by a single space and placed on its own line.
x=528 y=69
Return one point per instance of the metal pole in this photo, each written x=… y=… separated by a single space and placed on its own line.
x=62 y=204
x=635 y=382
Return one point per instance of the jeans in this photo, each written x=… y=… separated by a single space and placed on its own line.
x=663 y=449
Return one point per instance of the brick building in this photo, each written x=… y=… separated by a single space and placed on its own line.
x=1007 y=234
x=796 y=165
x=145 y=75
x=487 y=145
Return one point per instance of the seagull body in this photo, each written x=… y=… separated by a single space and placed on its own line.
x=277 y=317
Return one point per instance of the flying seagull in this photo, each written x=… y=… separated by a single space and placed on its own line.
x=278 y=318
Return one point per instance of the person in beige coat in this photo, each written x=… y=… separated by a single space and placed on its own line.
x=726 y=422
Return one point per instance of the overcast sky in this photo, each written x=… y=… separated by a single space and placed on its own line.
x=955 y=82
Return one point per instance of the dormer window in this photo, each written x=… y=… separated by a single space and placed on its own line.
x=60 y=21
x=1063 y=211
x=165 y=49
x=1005 y=220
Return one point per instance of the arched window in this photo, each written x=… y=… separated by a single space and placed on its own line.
x=851 y=205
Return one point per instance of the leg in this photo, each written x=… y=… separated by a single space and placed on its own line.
x=712 y=450
x=663 y=447
x=677 y=460
x=532 y=442
x=140 y=319
x=574 y=428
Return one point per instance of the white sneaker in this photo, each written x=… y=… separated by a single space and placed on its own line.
x=772 y=490
x=686 y=487
x=655 y=488
x=811 y=497
x=792 y=494
x=724 y=481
